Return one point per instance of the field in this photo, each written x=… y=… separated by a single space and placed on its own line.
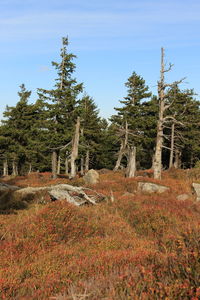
x=133 y=246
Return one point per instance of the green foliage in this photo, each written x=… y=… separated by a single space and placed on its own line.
x=19 y=132
x=31 y=132
x=184 y=112
x=91 y=129
x=60 y=103
x=197 y=165
x=141 y=116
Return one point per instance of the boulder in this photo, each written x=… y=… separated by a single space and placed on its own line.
x=92 y=177
x=183 y=197
x=196 y=187
x=72 y=194
x=148 y=187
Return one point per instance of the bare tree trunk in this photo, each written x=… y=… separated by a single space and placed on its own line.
x=131 y=168
x=30 y=168
x=58 y=164
x=177 y=160
x=5 y=167
x=158 y=153
x=172 y=146
x=14 y=168
x=122 y=148
x=66 y=166
x=159 y=139
x=120 y=155
x=163 y=106
x=54 y=164
x=82 y=166
x=87 y=161
x=74 y=153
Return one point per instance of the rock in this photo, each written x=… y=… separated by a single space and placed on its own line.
x=72 y=194
x=148 y=187
x=196 y=187
x=92 y=177
x=57 y=194
x=183 y=197
x=7 y=187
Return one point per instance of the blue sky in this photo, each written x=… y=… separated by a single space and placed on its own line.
x=111 y=38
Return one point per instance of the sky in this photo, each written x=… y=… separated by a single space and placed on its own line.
x=111 y=38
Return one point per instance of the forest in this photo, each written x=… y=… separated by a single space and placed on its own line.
x=62 y=130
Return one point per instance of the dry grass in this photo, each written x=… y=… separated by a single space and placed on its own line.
x=137 y=247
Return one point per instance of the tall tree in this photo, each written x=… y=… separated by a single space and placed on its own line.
x=164 y=105
x=61 y=104
x=129 y=119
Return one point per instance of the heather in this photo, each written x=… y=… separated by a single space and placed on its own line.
x=132 y=246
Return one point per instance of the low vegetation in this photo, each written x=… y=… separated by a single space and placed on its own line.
x=134 y=246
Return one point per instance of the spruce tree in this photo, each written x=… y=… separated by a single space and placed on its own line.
x=19 y=132
x=90 y=138
x=130 y=117
x=61 y=106
x=182 y=130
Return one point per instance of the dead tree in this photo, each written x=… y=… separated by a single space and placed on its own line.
x=175 y=147
x=162 y=118
x=131 y=167
x=123 y=146
x=30 y=168
x=74 y=151
x=82 y=166
x=5 y=167
x=58 y=164
x=87 y=161
x=14 y=168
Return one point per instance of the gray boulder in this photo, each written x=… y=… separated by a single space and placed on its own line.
x=92 y=177
x=196 y=187
x=148 y=187
x=72 y=194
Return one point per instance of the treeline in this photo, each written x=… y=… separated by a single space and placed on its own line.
x=62 y=131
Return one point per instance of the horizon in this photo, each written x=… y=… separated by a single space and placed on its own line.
x=111 y=40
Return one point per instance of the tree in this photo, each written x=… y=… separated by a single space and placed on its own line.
x=91 y=132
x=61 y=104
x=183 y=127
x=164 y=105
x=129 y=119
x=19 y=133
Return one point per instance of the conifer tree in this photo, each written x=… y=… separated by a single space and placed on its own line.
x=183 y=127
x=129 y=119
x=61 y=104
x=19 y=132
x=90 y=138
